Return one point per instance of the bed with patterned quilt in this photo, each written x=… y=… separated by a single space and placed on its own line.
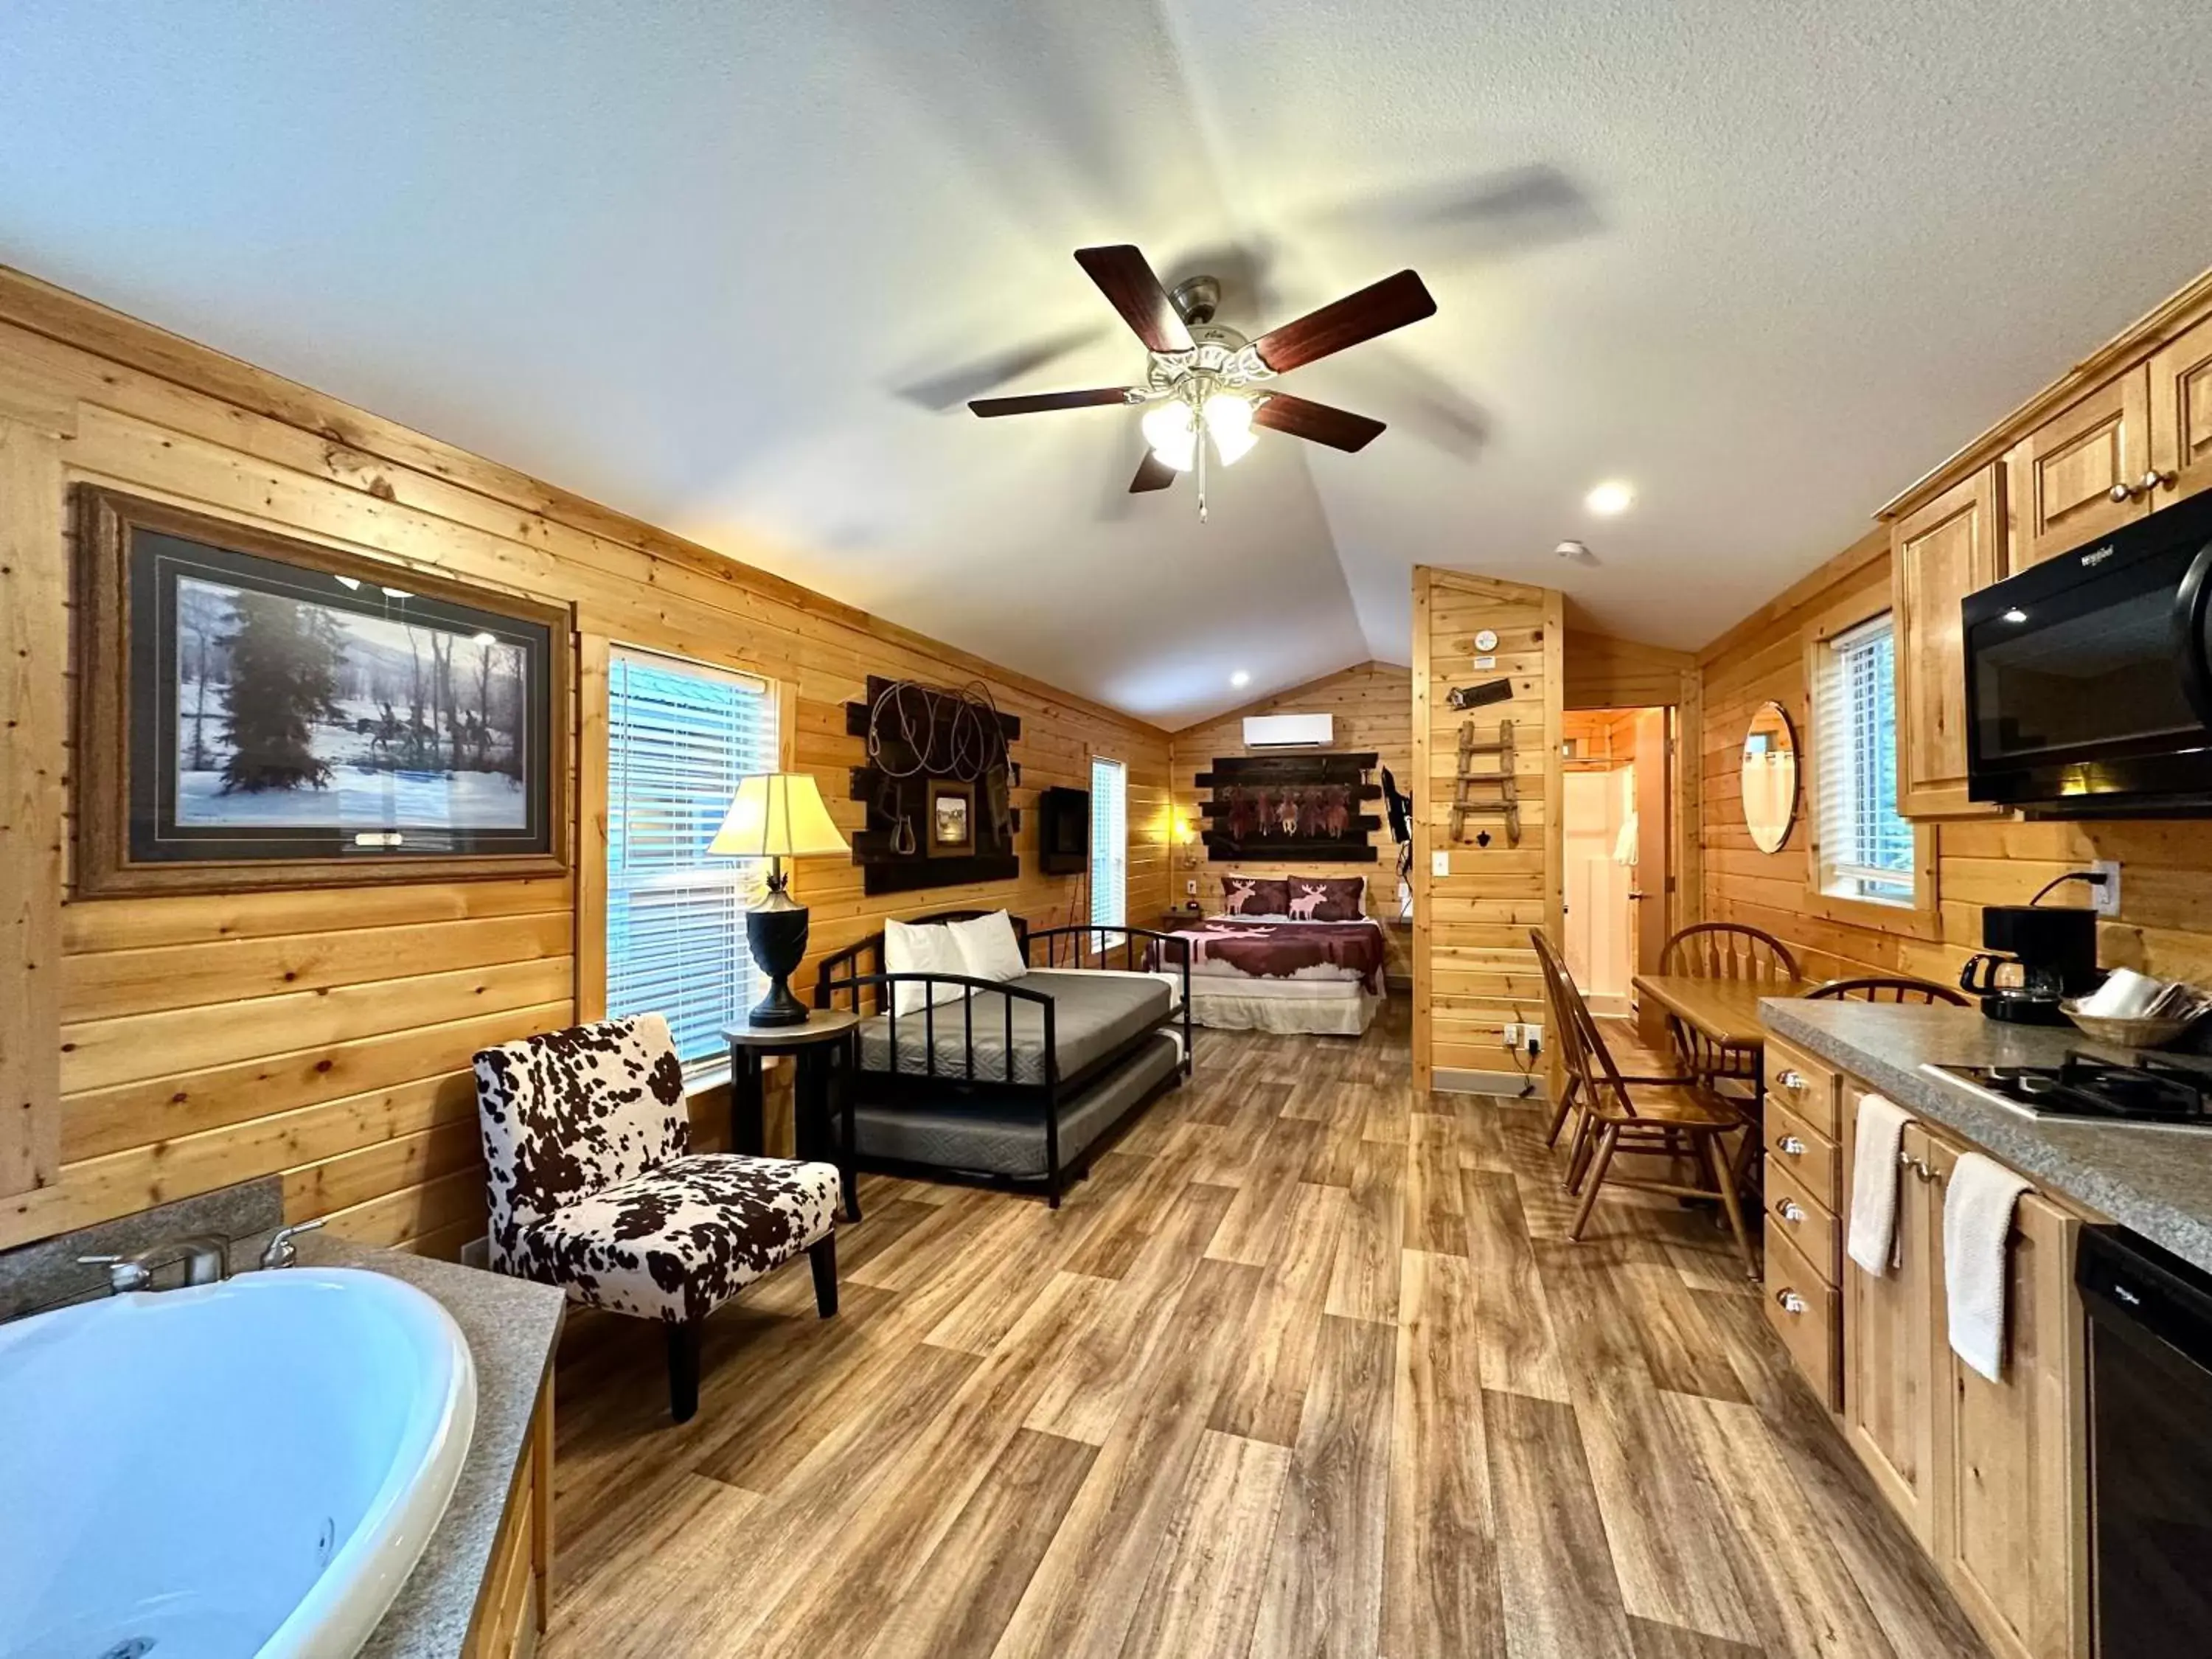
x=1289 y=955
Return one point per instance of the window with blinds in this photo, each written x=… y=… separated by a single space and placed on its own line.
x=1865 y=848
x=1109 y=843
x=679 y=735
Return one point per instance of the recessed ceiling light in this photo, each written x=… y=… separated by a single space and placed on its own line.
x=1609 y=498
x=1240 y=678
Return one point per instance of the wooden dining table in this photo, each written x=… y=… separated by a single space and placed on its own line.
x=1725 y=1010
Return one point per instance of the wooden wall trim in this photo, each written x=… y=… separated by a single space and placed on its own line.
x=33 y=764
x=1424 y=900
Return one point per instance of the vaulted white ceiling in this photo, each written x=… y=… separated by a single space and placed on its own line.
x=734 y=267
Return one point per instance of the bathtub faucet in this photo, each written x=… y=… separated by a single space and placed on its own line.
x=206 y=1257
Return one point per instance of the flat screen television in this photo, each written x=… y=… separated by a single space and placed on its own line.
x=1063 y=832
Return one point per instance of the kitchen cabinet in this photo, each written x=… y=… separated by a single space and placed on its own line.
x=2014 y=1468
x=1889 y=1361
x=1990 y=1477
x=1939 y=554
x=2181 y=416
x=2081 y=474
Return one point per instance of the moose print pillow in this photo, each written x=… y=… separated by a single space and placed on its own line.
x=1332 y=898
x=1250 y=896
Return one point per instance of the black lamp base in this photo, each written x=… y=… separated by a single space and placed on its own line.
x=775 y=928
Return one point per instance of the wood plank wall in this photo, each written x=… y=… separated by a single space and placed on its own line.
x=1602 y=671
x=1472 y=968
x=183 y=1043
x=2165 y=925
x=1373 y=704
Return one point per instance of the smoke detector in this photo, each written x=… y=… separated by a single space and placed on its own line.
x=1571 y=549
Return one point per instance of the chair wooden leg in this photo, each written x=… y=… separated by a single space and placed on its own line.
x=1560 y=1116
x=1608 y=1137
x=683 y=1370
x=1578 y=1152
x=1724 y=1178
x=823 y=1258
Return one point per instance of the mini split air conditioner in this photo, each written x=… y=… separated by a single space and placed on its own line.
x=1289 y=731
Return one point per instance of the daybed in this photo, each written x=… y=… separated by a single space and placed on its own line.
x=1017 y=1078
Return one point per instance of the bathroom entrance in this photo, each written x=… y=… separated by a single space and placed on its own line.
x=1616 y=833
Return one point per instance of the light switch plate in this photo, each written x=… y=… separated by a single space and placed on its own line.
x=1190 y=888
x=1440 y=863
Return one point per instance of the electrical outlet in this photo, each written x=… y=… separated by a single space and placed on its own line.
x=1512 y=1037
x=1532 y=1038
x=2105 y=899
x=1440 y=863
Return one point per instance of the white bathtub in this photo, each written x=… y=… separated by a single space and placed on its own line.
x=249 y=1468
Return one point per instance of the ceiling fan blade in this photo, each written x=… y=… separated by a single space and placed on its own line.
x=1152 y=473
x=1037 y=403
x=1316 y=422
x=1391 y=303
x=1126 y=279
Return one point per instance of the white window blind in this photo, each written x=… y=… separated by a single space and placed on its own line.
x=1109 y=843
x=1866 y=848
x=679 y=737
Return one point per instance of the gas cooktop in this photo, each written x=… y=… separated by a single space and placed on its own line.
x=2085 y=1086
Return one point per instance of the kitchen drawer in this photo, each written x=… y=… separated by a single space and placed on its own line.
x=1804 y=1085
x=1809 y=1156
x=1804 y=1310
x=1805 y=1222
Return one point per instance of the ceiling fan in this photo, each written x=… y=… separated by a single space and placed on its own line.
x=1206 y=383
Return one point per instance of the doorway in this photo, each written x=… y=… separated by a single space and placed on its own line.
x=1616 y=831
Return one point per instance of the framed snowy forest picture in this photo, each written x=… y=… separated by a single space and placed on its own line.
x=255 y=712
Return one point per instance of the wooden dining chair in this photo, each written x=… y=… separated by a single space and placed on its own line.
x=1660 y=1117
x=1723 y=949
x=1877 y=988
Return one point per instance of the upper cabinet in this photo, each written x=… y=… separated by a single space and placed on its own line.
x=1939 y=555
x=2181 y=416
x=2081 y=474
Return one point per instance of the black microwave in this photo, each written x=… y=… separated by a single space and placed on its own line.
x=2089 y=677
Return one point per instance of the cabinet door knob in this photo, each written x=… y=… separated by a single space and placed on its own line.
x=1793 y=1081
x=1791 y=1301
x=1791 y=1211
x=2122 y=492
x=2155 y=479
x=1792 y=1146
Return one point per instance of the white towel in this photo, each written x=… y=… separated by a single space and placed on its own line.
x=1978 y=1206
x=1874 y=1183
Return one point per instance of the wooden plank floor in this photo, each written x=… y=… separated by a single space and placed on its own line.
x=1306 y=1368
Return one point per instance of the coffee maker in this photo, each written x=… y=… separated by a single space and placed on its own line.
x=2055 y=951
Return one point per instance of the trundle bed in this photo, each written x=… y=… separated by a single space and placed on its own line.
x=1015 y=1079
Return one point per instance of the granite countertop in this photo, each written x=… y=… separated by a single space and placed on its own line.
x=511 y=1326
x=2156 y=1181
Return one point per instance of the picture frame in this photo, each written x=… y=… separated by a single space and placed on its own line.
x=256 y=711
x=950 y=825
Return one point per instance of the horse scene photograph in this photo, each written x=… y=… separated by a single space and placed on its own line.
x=294 y=713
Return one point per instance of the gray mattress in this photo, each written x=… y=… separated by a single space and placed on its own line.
x=1093 y=1015
x=1004 y=1141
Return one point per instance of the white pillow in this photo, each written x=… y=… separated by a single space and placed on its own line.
x=925 y=948
x=989 y=948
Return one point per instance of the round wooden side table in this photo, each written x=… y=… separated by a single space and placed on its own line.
x=825 y=1051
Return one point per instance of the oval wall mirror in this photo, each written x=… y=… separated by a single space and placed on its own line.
x=1769 y=777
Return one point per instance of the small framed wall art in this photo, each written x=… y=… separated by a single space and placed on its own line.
x=256 y=711
x=951 y=818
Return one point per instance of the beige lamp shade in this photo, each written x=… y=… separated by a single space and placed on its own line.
x=777 y=815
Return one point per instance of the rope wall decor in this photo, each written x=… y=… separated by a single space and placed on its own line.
x=938 y=784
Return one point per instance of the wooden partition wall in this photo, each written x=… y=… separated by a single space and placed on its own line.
x=152 y=1048
x=1474 y=970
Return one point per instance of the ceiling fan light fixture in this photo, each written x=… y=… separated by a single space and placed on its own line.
x=1229 y=422
x=1171 y=429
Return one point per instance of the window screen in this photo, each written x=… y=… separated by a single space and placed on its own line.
x=1109 y=843
x=679 y=737
x=1866 y=848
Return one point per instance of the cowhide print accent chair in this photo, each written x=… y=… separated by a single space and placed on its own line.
x=595 y=1188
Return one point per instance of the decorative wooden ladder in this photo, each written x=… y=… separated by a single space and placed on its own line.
x=1503 y=779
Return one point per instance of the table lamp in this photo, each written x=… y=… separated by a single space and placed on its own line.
x=777 y=816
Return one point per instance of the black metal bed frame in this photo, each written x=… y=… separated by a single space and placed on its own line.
x=1088 y=946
